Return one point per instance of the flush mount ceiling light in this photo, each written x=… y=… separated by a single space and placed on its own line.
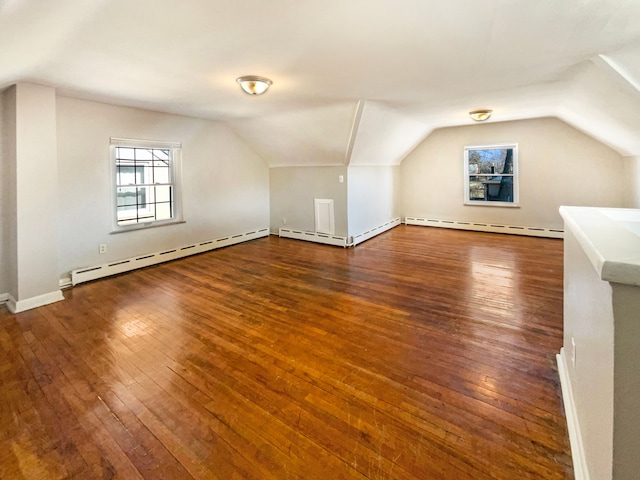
x=480 y=115
x=254 y=85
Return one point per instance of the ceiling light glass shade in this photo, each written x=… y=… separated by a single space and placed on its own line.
x=480 y=115
x=254 y=85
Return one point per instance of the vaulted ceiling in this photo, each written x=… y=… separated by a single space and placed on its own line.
x=355 y=82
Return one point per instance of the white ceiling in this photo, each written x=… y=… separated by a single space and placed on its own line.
x=357 y=82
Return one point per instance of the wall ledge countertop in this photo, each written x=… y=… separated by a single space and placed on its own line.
x=610 y=238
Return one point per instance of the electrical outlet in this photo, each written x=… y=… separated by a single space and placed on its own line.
x=284 y=221
x=103 y=248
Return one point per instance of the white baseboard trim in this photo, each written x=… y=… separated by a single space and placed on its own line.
x=313 y=237
x=17 y=306
x=65 y=282
x=486 y=227
x=4 y=297
x=375 y=231
x=580 y=470
x=120 y=266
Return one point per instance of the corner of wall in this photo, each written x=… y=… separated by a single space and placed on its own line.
x=632 y=174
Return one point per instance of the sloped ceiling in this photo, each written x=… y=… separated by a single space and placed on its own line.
x=357 y=82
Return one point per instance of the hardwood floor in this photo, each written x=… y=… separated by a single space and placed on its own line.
x=423 y=353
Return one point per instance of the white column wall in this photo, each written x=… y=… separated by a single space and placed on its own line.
x=8 y=215
x=372 y=196
x=30 y=190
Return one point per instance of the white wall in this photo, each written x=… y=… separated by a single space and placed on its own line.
x=626 y=398
x=36 y=192
x=372 y=197
x=293 y=190
x=633 y=178
x=7 y=191
x=558 y=166
x=225 y=184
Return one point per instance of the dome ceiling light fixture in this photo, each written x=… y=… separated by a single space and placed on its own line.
x=480 y=115
x=253 y=84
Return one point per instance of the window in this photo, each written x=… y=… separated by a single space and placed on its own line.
x=491 y=175
x=146 y=178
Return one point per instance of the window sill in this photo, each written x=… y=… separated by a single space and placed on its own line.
x=144 y=226
x=491 y=204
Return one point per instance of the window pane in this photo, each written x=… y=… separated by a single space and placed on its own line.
x=163 y=211
x=126 y=215
x=141 y=175
x=143 y=154
x=491 y=188
x=161 y=156
x=127 y=197
x=143 y=196
x=163 y=194
x=491 y=161
x=161 y=175
x=476 y=189
x=125 y=175
x=125 y=153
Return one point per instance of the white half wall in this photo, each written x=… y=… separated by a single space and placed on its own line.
x=589 y=357
x=558 y=165
x=293 y=190
x=372 y=197
x=225 y=186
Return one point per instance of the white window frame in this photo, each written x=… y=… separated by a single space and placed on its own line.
x=468 y=174
x=175 y=174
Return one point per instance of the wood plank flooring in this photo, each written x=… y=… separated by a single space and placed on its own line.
x=423 y=353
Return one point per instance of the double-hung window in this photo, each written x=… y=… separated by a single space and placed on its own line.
x=146 y=184
x=491 y=175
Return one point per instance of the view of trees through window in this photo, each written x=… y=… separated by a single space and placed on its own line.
x=490 y=174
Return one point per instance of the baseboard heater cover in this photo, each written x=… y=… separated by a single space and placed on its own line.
x=337 y=240
x=120 y=266
x=361 y=237
x=486 y=227
x=313 y=237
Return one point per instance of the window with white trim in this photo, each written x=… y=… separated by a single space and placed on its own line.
x=146 y=177
x=491 y=175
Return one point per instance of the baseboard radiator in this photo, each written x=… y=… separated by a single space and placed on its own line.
x=140 y=261
x=487 y=227
x=375 y=231
x=313 y=237
x=337 y=240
